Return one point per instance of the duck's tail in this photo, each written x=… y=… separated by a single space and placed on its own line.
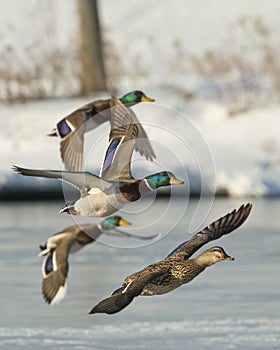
x=123 y=296
x=53 y=132
x=44 y=250
x=113 y=304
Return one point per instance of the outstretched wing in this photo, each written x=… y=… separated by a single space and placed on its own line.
x=116 y=165
x=118 y=301
x=142 y=142
x=84 y=181
x=72 y=128
x=120 y=233
x=55 y=271
x=72 y=149
x=215 y=230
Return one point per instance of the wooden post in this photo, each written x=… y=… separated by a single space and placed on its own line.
x=93 y=73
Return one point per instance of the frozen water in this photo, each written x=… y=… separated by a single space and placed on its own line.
x=232 y=305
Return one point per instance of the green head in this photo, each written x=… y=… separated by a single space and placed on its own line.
x=134 y=97
x=164 y=178
x=113 y=221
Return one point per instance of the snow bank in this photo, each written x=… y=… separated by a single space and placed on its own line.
x=195 y=138
x=205 y=147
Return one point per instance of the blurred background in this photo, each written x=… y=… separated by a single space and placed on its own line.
x=217 y=66
x=213 y=68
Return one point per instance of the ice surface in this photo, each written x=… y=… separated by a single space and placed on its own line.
x=232 y=305
x=241 y=334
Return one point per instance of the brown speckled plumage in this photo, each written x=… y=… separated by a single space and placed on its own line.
x=176 y=269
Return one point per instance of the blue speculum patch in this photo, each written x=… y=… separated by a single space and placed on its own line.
x=63 y=128
x=49 y=264
x=110 y=154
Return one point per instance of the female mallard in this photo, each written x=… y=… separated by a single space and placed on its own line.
x=176 y=269
x=72 y=128
x=70 y=240
x=103 y=196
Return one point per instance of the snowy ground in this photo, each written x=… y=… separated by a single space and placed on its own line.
x=149 y=49
x=198 y=141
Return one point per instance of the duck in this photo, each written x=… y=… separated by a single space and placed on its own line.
x=103 y=195
x=70 y=240
x=71 y=129
x=123 y=135
x=177 y=268
x=101 y=198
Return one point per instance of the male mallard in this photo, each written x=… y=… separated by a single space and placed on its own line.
x=103 y=196
x=72 y=128
x=122 y=141
x=176 y=269
x=100 y=197
x=70 y=240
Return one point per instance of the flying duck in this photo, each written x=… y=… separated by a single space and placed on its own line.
x=103 y=196
x=69 y=240
x=176 y=269
x=71 y=129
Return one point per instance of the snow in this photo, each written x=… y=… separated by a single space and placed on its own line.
x=205 y=147
x=197 y=25
x=155 y=42
x=196 y=138
x=226 y=333
x=244 y=164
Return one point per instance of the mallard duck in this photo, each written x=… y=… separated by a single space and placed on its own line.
x=122 y=141
x=99 y=197
x=71 y=129
x=103 y=196
x=176 y=269
x=70 y=240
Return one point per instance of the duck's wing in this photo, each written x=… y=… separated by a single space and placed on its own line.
x=142 y=142
x=116 y=164
x=117 y=232
x=84 y=181
x=72 y=128
x=55 y=270
x=215 y=230
x=72 y=150
x=124 y=296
